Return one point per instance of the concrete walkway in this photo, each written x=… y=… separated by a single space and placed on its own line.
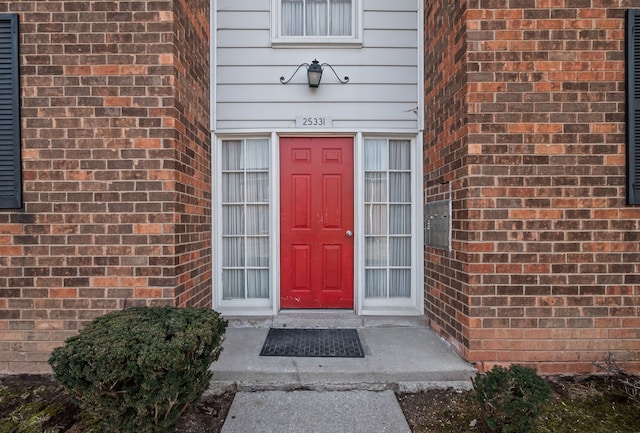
x=315 y=412
x=287 y=394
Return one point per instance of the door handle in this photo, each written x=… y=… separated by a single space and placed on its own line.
x=349 y=233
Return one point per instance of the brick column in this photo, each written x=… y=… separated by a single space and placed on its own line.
x=116 y=158
x=546 y=261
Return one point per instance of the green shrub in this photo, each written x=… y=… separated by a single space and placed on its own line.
x=138 y=369
x=511 y=398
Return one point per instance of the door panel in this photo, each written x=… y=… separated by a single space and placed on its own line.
x=316 y=212
x=302 y=202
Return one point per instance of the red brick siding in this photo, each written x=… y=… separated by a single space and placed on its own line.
x=193 y=158
x=106 y=221
x=553 y=252
x=445 y=150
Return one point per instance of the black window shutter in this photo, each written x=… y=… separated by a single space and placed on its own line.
x=10 y=173
x=633 y=106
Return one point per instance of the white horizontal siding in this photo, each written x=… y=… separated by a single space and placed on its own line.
x=346 y=111
x=327 y=93
x=403 y=126
x=245 y=5
x=345 y=115
x=388 y=20
x=383 y=71
x=389 y=5
x=250 y=20
x=402 y=74
x=289 y=59
x=246 y=38
x=391 y=39
x=261 y=38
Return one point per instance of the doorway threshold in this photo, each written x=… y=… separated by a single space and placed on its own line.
x=325 y=319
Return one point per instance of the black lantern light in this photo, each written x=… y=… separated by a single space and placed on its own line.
x=314 y=73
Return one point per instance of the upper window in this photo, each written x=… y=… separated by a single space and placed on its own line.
x=316 y=21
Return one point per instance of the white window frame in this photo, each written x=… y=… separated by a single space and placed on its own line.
x=247 y=306
x=354 y=40
x=413 y=305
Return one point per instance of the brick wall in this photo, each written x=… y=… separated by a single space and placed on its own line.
x=549 y=256
x=445 y=152
x=193 y=153
x=116 y=151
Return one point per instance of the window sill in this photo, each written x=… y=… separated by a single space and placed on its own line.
x=316 y=42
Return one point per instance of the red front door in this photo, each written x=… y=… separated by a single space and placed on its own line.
x=316 y=222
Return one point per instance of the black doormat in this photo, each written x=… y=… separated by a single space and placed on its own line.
x=321 y=343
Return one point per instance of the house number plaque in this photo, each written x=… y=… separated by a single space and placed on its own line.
x=313 y=122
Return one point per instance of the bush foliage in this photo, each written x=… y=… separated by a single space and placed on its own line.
x=512 y=398
x=138 y=369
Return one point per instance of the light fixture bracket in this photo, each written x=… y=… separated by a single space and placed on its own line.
x=314 y=73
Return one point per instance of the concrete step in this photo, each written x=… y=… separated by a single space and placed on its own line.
x=324 y=319
x=408 y=358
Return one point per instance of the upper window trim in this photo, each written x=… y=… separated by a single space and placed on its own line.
x=277 y=40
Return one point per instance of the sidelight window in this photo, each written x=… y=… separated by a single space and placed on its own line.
x=245 y=219
x=387 y=215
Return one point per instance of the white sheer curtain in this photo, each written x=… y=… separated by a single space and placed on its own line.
x=292 y=18
x=387 y=218
x=340 y=20
x=245 y=219
x=316 y=17
x=376 y=155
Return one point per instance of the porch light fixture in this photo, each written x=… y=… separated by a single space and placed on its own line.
x=314 y=73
